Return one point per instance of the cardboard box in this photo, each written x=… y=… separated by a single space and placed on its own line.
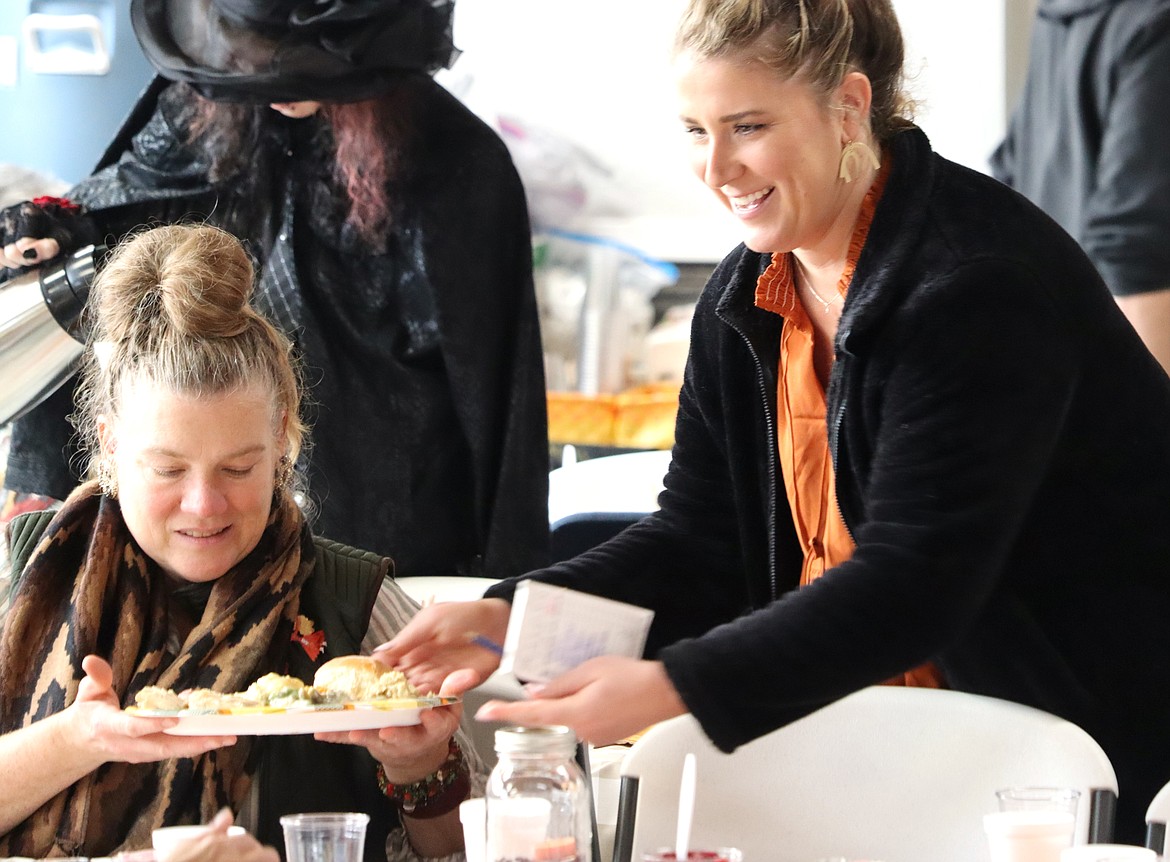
x=553 y=629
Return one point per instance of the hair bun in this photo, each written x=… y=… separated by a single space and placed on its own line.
x=195 y=281
x=170 y=310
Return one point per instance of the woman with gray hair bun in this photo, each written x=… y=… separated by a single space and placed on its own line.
x=187 y=564
x=391 y=233
x=917 y=441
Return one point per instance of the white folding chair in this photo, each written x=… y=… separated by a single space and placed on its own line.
x=593 y=500
x=1157 y=816
x=901 y=774
x=628 y=482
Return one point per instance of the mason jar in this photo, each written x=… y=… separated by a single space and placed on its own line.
x=537 y=801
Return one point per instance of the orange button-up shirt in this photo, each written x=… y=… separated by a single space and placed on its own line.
x=802 y=439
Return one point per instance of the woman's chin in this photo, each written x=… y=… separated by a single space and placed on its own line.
x=760 y=243
x=200 y=571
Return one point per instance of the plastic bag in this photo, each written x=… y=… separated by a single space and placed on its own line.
x=594 y=296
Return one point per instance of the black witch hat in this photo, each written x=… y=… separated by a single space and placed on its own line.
x=294 y=50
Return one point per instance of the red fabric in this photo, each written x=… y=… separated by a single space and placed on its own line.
x=64 y=204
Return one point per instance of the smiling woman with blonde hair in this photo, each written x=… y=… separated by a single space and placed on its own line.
x=917 y=442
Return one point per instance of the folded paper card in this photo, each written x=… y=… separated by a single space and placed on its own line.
x=552 y=629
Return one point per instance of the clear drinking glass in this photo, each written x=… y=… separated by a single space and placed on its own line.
x=1039 y=799
x=324 y=837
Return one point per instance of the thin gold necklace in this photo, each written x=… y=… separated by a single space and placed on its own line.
x=798 y=270
x=824 y=303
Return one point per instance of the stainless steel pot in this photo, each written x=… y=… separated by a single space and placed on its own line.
x=41 y=334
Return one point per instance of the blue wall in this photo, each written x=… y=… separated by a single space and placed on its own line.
x=61 y=124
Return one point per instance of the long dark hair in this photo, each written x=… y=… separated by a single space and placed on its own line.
x=368 y=139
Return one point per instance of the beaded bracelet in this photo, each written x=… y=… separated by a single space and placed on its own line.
x=434 y=794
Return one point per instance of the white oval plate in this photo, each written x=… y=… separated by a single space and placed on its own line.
x=273 y=721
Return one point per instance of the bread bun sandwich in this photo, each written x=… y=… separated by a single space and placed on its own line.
x=360 y=678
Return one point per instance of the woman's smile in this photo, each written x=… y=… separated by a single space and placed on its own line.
x=202 y=534
x=769 y=148
x=746 y=205
x=196 y=474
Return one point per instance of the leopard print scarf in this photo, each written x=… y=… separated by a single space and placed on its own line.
x=117 y=606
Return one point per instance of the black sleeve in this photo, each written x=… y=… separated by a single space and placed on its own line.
x=42 y=448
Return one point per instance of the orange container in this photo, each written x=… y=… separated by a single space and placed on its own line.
x=585 y=420
x=645 y=416
x=638 y=418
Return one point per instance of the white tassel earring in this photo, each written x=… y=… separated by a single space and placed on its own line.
x=854 y=152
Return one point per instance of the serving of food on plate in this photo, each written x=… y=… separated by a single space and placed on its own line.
x=350 y=692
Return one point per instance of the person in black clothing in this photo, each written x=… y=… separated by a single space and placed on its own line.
x=917 y=440
x=1088 y=143
x=391 y=232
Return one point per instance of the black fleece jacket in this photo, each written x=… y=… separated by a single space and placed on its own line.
x=1002 y=448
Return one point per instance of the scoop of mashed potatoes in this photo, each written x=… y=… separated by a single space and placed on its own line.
x=162 y=699
x=274 y=689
